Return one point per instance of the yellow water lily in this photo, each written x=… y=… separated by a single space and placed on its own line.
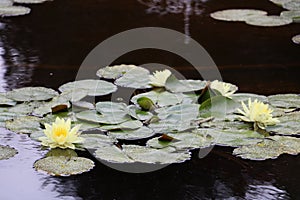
x=225 y=89
x=60 y=134
x=159 y=78
x=258 y=113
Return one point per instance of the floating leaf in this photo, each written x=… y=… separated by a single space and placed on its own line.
x=288 y=125
x=285 y=100
x=6 y=3
x=132 y=124
x=4 y=101
x=83 y=105
x=7 y=152
x=26 y=124
x=296 y=39
x=134 y=153
x=64 y=166
x=36 y=135
x=280 y=2
x=92 y=87
x=26 y=107
x=30 y=1
x=232 y=138
x=136 y=113
x=32 y=94
x=93 y=116
x=237 y=14
x=268 y=21
x=185 y=140
x=135 y=78
x=161 y=99
x=108 y=107
x=13 y=11
x=176 y=86
x=114 y=72
x=140 y=133
x=270 y=148
x=292 y=5
x=293 y=14
x=239 y=97
x=62 y=152
x=4 y=116
x=94 y=141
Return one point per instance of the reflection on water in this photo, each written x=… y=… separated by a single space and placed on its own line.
x=186 y=7
x=17 y=62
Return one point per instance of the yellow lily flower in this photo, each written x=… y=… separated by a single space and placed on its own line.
x=259 y=113
x=60 y=135
x=159 y=78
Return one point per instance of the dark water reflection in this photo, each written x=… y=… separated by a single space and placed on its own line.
x=47 y=47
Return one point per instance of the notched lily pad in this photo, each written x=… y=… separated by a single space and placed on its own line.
x=135 y=78
x=239 y=97
x=140 y=133
x=285 y=100
x=177 y=86
x=64 y=166
x=94 y=116
x=270 y=148
x=94 y=141
x=288 y=125
x=92 y=87
x=292 y=5
x=4 y=101
x=268 y=21
x=10 y=11
x=32 y=94
x=114 y=72
x=7 y=152
x=26 y=124
x=237 y=14
x=293 y=14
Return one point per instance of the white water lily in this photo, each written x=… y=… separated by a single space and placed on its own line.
x=225 y=89
x=60 y=135
x=258 y=113
x=159 y=78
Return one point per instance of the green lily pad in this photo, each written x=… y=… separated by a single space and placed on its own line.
x=92 y=87
x=293 y=14
x=268 y=21
x=177 y=86
x=4 y=101
x=94 y=141
x=129 y=125
x=30 y=1
x=25 y=108
x=4 y=116
x=13 y=11
x=26 y=124
x=141 y=154
x=285 y=100
x=188 y=140
x=64 y=166
x=161 y=99
x=94 y=116
x=288 y=125
x=169 y=126
x=140 y=133
x=108 y=107
x=7 y=152
x=48 y=107
x=237 y=14
x=114 y=72
x=296 y=39
x=36 y=135
x=239 y=97
x=135 y=78
x=83 y=105
x=269 y=148
x=232 y=138
x=6 y=3
x=292 y=5
x=62 y=152
x=280 y=2
x=139 y=114
x=32 y=94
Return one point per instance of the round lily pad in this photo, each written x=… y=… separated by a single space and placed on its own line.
x=30 y=1
x=268 y=21
x=4 y=101
x=32 y=94
x=6 y=3
x=13 y=11
x=296 y=39
x=280 y=2
x=64 y=166
x=93 y=87
x=292 y=5
x=239 y=97
x=237 y=14
x=26 y=124
x=285 y=100
x=135 y=78
x=140 y=133
x=7 y=152
x=293 y=14
x=288 y=124
x=94 y=116
x=176 y=86
x=94 y=141
x=114 y=72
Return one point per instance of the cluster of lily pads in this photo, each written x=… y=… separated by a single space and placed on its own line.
x=254 y=17
x=171 y=117
x=8 y=7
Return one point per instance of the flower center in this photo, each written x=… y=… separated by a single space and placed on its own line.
x=60 y=132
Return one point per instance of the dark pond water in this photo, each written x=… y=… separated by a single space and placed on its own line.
x=47 y=47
